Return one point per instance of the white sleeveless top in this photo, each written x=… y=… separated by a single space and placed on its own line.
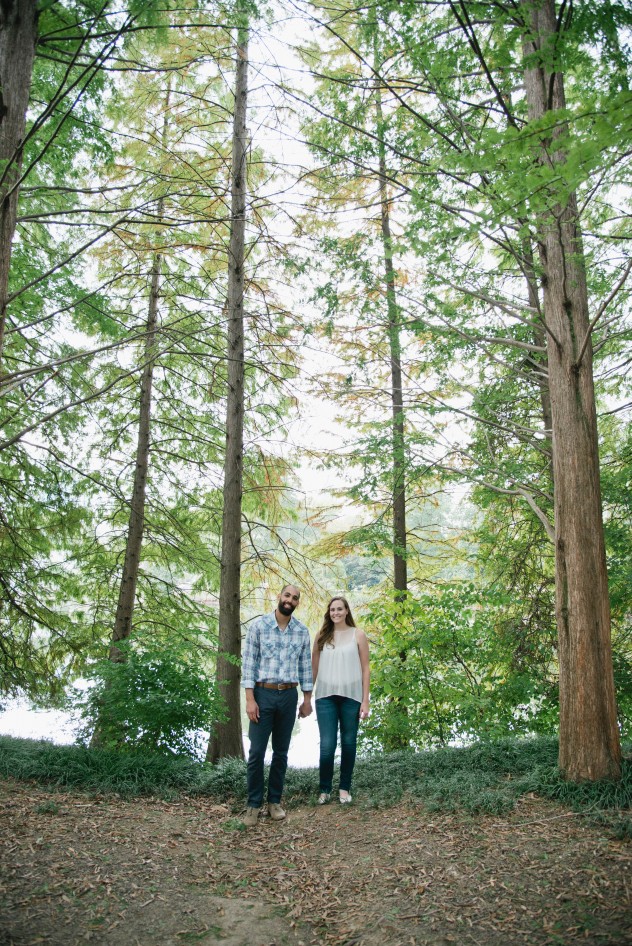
x=339 y=667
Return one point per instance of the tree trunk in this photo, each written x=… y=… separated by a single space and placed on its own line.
x=136 y=527
x=589 y=737
x=539 y=338
x=226 y=738
x=400 y=572
x=133 y=548
x=18 y=33
x=398 y=443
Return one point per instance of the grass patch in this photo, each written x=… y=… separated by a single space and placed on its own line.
x=483 y=778
x=617 y=824
x=98 y=771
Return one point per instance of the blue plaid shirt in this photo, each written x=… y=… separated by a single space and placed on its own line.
x=274 y=656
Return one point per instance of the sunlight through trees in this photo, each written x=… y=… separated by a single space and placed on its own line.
x=217 y=216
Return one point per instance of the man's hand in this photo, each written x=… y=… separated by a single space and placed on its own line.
x=252 y=709
x=305 y=708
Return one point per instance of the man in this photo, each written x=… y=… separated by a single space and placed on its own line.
x=276 y=659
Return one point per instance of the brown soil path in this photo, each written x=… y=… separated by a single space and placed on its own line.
x=76 y=870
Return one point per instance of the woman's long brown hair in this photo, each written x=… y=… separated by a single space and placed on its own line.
x=326 y=633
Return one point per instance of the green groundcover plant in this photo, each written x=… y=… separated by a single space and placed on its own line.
x=487 y=777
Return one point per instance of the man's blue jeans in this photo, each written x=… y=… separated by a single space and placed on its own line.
x=277 y=715
x=333 y=712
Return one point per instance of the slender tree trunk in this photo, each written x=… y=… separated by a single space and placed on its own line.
x=398 y=442
x=129 y=579
x=226 y=738
x=589 y=738
x=136 y=527
x=539 y=338
x=18 y=33
x=400 y=572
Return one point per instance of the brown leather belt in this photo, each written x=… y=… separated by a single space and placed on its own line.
x=277 y=686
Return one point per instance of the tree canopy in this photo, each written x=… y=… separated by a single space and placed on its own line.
x=433 y=201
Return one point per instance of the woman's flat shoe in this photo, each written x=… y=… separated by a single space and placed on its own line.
x=323 y=798
x=345 y=799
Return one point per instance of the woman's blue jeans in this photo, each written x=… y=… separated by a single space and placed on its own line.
x=333 y=712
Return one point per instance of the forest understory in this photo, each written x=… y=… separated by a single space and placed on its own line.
x=80 y=868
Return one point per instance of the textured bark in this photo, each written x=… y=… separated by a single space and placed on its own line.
x=136 y=528
x=589 y=737
x=400 y=570
x=398 y=442
x=226 y=738
x=18 y=33
x=539 y=338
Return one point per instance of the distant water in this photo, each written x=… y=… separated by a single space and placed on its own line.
x=20 y=719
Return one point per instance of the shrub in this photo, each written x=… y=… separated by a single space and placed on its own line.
x=158 y=699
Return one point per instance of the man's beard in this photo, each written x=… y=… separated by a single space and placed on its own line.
x=286 y=607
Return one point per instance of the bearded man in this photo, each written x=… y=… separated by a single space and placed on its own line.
x=276 y=659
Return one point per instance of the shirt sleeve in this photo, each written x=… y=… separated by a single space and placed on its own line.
x=250 y=657
x=305 y=665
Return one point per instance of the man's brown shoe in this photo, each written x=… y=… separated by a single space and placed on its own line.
x=251 y=817
x=276 y=812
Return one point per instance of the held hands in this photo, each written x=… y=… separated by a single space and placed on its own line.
x=305 y=709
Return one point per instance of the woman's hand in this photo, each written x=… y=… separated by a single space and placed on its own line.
x=364 y=709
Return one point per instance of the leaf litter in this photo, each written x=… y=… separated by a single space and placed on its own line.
x=153 y=873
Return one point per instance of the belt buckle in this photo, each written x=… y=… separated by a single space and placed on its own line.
x=280 y=686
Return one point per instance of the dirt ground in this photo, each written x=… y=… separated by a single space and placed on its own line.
x=76 y=869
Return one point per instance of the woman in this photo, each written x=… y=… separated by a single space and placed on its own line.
x=340 y=665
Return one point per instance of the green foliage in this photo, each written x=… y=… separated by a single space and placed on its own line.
x=484 y=778
x=618 y=825
x=96 y=770
x=226 y=780
x=474 y=779
x=234 y=824
x=154 y=700
x=48 y=808
x=471 y=177
x=41 y=519
x=581 y=796
x=450 y=665
x=466 y=190
x=99 y=169
x=44 y=515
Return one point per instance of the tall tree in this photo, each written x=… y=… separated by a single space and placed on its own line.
x=226 y=738
x=170 y=165
x=589 y=737
x=476 y=170
x=133 y=546
x=349 y=134
x=18 y=35
x=400 y=568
